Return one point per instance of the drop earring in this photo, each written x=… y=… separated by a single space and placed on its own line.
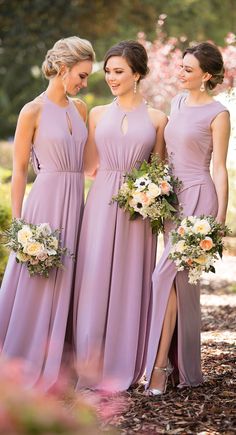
x=202 y=87
x=135 y=87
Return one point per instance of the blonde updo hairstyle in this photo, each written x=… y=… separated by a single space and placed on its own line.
x=67 y=51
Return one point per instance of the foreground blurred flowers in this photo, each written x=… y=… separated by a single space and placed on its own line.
x=196 y=244
x=29 y=411
x=150 y=192
x=35 y=245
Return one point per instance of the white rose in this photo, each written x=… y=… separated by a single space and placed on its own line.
x=51 y=252
x=24 y=235
x=33 y=248
x=201 y=226
x=153 y=190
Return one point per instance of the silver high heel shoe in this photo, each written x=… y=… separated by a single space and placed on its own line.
x=168 y=372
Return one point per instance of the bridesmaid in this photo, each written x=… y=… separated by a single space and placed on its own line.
x=34 y=310
x=116 y=255
x=198 y=128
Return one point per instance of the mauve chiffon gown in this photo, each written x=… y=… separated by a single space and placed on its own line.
x=115 y=261
x=189 y=144
x=34 y=310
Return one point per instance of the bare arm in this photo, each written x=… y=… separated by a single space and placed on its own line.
x=220 y=135
x=91 y=157
x=21 y=152
x=159 y=120
x=82 y=108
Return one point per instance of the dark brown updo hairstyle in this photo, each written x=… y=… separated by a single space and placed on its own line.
x=210 y=60
x=134 y=53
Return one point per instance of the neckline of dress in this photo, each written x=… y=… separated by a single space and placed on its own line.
x=197 y=105
x=57 y=105
x=122 y=109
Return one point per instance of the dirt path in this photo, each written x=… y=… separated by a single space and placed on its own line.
x=209 y=409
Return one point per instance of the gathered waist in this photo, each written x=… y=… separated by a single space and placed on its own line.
x=115 y=170
x=59 y=171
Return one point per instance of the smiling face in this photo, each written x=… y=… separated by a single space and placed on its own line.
x=190 y=74
x=76 y=77
x=119 y=76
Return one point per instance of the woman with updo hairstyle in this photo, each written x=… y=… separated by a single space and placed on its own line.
x=35 y=312
x=116 y=256
x=198 y=130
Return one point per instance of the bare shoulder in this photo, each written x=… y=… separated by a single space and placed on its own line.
x=31 y=110
x=81 y=107
x=97 y=112
x=158 y=117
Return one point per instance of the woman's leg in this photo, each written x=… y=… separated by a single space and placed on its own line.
x=158 y=377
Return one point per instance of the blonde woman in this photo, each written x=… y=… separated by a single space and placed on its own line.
x=34 y=310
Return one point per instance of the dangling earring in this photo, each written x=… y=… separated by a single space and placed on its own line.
x=63 y=77
x=135 y=87
x=202 y=87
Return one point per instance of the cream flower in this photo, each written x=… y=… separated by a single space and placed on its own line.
x=202 y=260
x=201 y=226
x=124 y=188
x=153 y=190
x=24 y=235
x=54 y=243
x=179 y=246
x=22 y=257
x=33 y=248
x=44 y=229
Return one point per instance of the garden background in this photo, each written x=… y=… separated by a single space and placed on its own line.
x=28 y=28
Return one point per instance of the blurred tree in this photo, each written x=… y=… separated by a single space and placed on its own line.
x=28 y=28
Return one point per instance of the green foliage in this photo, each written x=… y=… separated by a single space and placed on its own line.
x=231 y=221
x=28 y=28
x=5 y=175
x=5 y=219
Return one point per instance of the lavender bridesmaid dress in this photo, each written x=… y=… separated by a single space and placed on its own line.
x=34 y=310
x=115 y=262
x=189 y=144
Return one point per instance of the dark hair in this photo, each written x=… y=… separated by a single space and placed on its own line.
x=134 y=53
x=210 y=60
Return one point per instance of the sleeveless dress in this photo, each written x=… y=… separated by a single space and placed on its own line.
x=189 y=144
x=34 y=310
x=115 y=261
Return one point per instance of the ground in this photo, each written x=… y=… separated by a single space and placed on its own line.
x=209 y=409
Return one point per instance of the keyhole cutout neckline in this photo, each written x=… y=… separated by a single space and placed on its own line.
x=126 y=111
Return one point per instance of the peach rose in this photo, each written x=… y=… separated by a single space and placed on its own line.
x=206 y=244
x=189 y=262
x=181 y=230
x=165 y=187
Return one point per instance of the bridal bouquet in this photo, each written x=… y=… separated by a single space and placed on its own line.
x=196 y=244
x=37 y=246
x=150 y=192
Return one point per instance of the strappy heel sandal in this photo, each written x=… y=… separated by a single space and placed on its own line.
x=168 y=371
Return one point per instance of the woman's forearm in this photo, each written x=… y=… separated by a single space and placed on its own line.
x=18 y=186
x=220 y=178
